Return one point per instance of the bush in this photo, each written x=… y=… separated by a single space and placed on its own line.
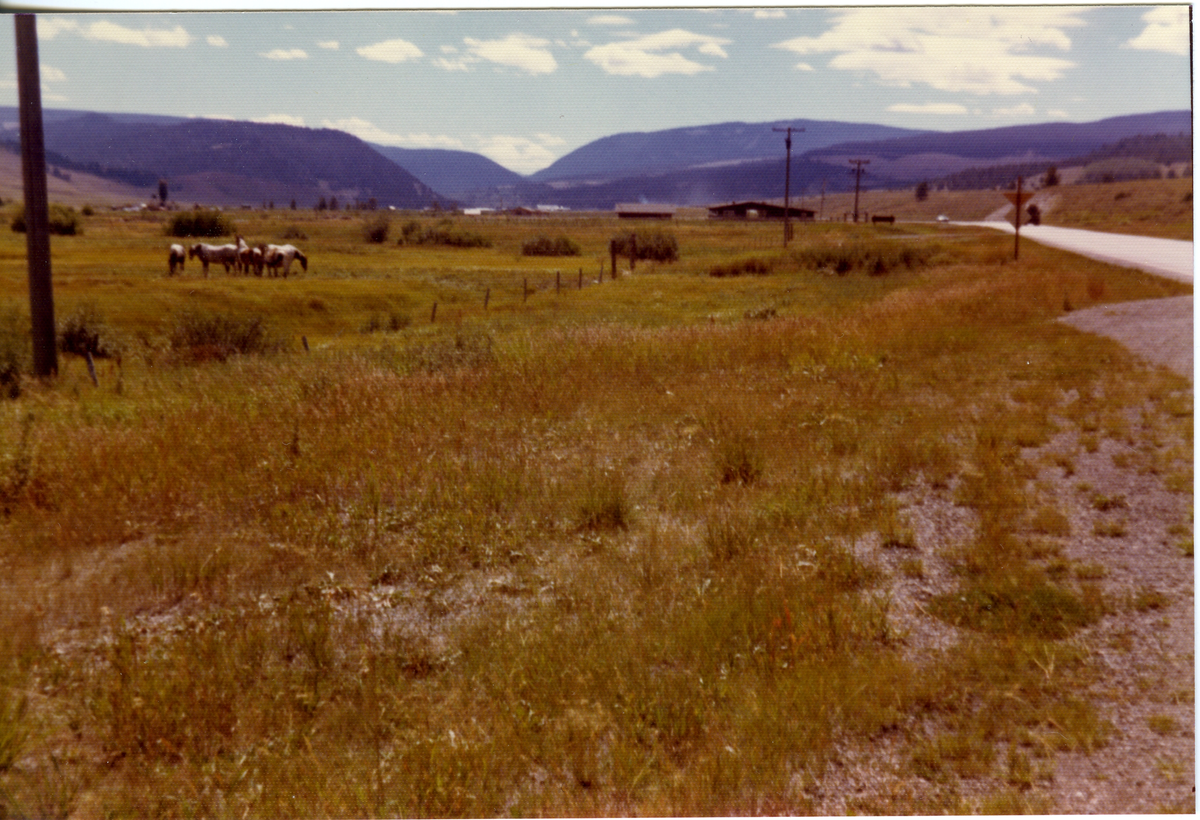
x=84 y=331
x=752 y=265
x=16 y=351
x=875 y=258
x=64 y=221
x=201 y=223
x=203 y=336
x=545 y=246
x=656 y=246
x=444 y=233
x=375 y=229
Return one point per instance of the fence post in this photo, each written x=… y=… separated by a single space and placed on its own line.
x=632 y=253
x=612 y=253
x=487 y=294
x=581 y=277
x=433 y=314
x=557 y=282
x=525 y=290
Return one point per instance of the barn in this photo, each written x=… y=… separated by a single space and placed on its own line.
x=759 y=210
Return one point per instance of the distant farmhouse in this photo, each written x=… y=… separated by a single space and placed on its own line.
x=759 y=210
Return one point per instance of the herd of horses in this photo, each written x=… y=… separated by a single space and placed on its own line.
x=239 y=257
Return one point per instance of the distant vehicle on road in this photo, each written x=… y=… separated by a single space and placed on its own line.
x=943 y=218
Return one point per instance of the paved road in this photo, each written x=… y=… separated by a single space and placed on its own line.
x=1171 y=258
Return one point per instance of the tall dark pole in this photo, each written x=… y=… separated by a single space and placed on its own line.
x=1017 y=225
x=858 y=172
x=787 y=184
x=37 y=221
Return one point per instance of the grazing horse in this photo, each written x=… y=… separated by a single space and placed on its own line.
x=252 y=259
x=243 y=255
x=221 y=254
x=277 y=255
x=176 y=256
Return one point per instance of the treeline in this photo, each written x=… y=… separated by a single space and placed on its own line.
x=1160 y=148
x=1131 y=158
x=130 y=176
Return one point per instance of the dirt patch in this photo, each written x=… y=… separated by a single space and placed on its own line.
x=1158 y=330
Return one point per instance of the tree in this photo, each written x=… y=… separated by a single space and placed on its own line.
x=1051 y=176
x=922 y=192
x=162 y=191
x=321 y=205
x=1035 y=215
x=333 y=203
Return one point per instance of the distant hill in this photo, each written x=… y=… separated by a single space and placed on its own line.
x=630 y=154
x=229 y=163
x=218 y=162
x=451 y=173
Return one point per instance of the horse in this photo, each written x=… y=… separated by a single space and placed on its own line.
x=176 y=256
x=276 y=255
x=221 y=254
x=243 y=255
x=252 y=259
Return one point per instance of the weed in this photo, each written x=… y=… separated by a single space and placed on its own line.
x=1012 y=605
x=1111 y=529
x=1050 y=521
x=375 y=228
x=604 y=504
x=84 y=331
x=1162 y=724
x=753 y=265
x=203 y=336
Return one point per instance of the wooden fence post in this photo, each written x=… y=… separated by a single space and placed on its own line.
x=632 y=253
x=487 y=294
x=433 y=314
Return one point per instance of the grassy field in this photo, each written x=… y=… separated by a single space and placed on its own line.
x=548 y=549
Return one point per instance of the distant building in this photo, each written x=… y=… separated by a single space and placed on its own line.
x=759 y=210
x=644 y=210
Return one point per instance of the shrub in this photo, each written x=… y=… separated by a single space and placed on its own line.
x=752 y=265
x=545 y=246
x=375 y=229
x=84 y=331
x=656 y=246
x=203 y=336
x=444 y=233
x=875 y=258
x=64 y=221
x=16 y=350
x=201 y=223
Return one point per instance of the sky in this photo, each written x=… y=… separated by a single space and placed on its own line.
x=524 y=87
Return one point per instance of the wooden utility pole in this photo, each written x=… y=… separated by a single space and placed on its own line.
x=37 y=220
x=787 y=184
x=1018 y=200
x=858 y=172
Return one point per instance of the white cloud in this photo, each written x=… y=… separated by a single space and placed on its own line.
x=609 y=20
x=370 y=132
x=391 y=51
x=928 y=108
x=978 y=50
x=105 y=31
x=50 y=74
x=656 y=54
x=50 y=28
x=769 y=14
x=280 y=119
x=519 y=154
x=461 y=64
x=285 y=54
x=331 y=45
x=517 y=51
x=1166 y=30
x=216 y=41
x=1021 y=111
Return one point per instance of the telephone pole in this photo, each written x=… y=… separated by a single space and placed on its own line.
x=858 y=172
x=37 y=220
x=787 y=184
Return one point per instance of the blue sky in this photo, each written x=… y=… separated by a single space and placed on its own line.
x=525 y=87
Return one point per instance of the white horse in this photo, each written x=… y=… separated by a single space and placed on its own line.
x=243 y=255
x=176 y=256
x=275 y=256
x=220 y=254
